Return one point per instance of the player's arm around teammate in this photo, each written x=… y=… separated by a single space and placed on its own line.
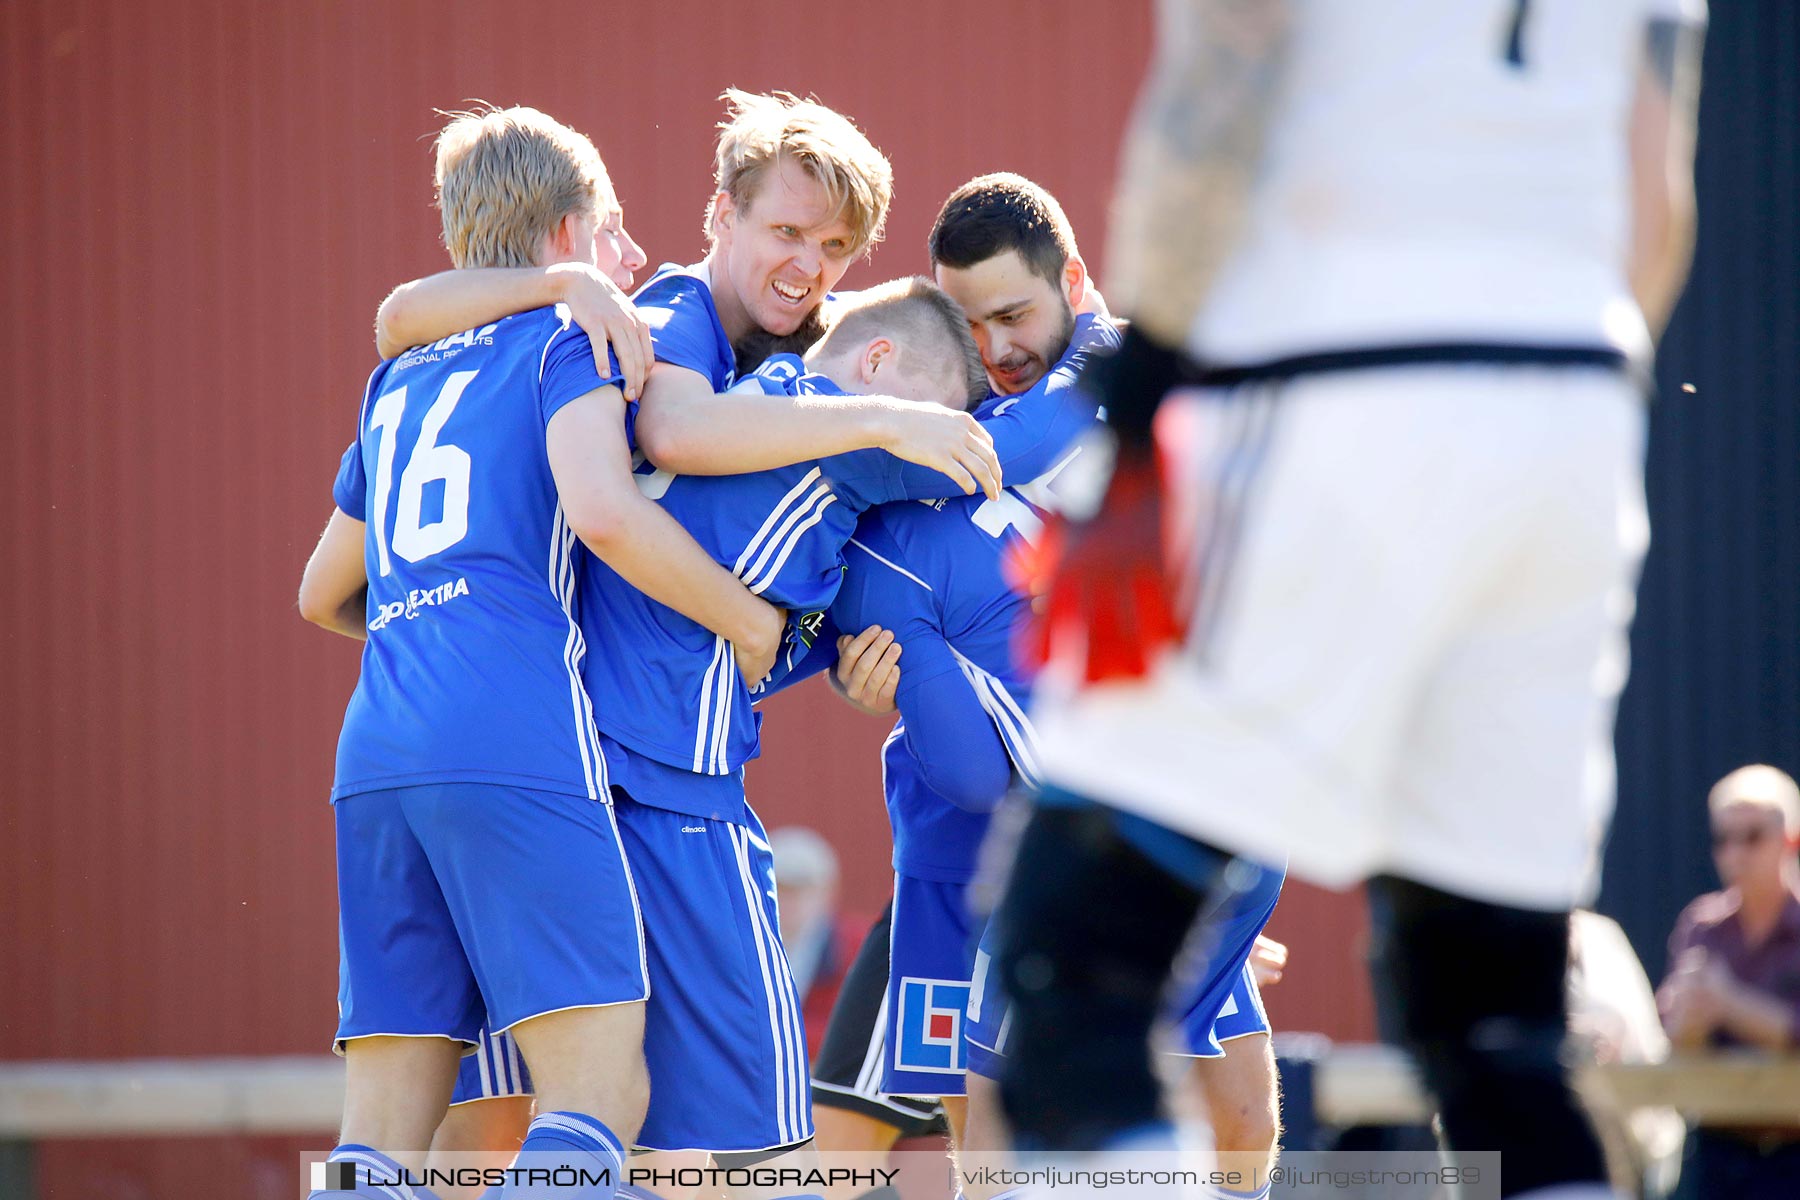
x=684 y=425
x=643 y=543
x=586 y=440
x=423 y=310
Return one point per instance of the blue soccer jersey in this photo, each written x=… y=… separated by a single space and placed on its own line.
x=667 y=688
x=935 y=576
x=472 y=670
x=685 y=330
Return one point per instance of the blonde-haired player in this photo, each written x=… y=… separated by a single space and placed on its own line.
x=470 y=781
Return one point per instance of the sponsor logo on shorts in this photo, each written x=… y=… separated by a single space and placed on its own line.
x=416 y=600
x=693 y=829
x=929 y=1033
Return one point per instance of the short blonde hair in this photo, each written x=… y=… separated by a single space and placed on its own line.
x=760 y=131
x=1761 y=786
x=506 y=177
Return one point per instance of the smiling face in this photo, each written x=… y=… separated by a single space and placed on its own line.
x=777 y=255
x=1021 y=321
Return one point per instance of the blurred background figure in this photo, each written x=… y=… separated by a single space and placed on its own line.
x=820 y=941
x=1734 y=975
x=1612 y=1010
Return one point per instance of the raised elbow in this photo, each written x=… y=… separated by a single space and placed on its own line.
x=976 y=789
x=316 y=607
x=663 y=440
x=602 y=523
x=389 y=339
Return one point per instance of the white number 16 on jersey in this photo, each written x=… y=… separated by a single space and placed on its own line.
x=429 y=462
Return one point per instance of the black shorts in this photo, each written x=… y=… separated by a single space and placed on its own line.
x=847 y=1069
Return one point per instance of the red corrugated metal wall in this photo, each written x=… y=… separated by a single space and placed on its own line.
x=201 y=205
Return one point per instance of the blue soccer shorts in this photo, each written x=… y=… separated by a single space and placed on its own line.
x=496 y=1070
x=1215 y=1001
x=460 y=904
x=723 y=1037
x=722 y=1032
x=1203 y=1030
x=931 y=957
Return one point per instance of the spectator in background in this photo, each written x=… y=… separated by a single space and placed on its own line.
x=820 y=943
x=1734 y=975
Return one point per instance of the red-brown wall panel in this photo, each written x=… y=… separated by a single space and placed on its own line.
x=201 y=205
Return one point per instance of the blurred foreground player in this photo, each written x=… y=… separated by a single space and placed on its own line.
x=1407 y=248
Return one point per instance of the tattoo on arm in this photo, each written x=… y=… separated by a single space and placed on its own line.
x=1191 y=155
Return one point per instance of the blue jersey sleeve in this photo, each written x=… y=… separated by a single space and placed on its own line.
x=947 y=728
x=870 y=477
x=351 y=490
x=1031 y=432
x=568 y=370
x=960 y=753
x=684 y=327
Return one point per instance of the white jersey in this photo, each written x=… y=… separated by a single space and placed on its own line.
x=1443 y=170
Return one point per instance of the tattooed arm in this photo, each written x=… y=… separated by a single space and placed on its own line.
x=1191 y=154
x=1663 y=113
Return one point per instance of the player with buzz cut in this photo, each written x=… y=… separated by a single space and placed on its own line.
x=471 y=787
x=1032 y=353
x=678 y=727
x=1403 y=260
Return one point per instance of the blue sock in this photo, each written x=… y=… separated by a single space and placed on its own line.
x=372 y=1170
x=583 y=1158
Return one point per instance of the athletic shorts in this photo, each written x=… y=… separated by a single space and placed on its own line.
x=722 y=1030
x=458 y=903
x=931 y=957
x=1407 y=638
x=848 y=1069
x=494 y=1071
x=1241 y=1015
x=1214 y=993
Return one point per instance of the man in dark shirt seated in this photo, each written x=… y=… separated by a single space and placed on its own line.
x=1734 y=974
